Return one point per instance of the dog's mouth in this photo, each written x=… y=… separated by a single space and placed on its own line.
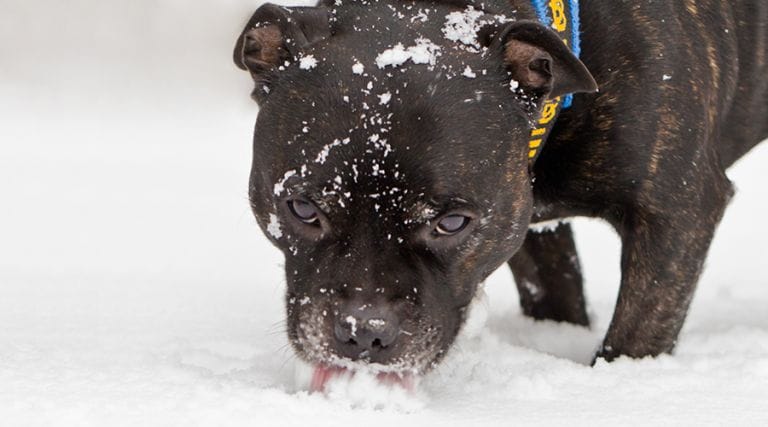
x=323 y=374
x=391 y=360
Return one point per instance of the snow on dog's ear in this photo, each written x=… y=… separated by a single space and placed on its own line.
x=540 y=62
x=274 y=35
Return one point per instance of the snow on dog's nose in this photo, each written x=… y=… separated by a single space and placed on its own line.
x=366 y=331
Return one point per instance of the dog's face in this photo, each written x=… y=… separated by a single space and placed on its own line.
x=393 y=178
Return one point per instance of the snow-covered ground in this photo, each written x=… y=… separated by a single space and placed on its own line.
x=135 y=288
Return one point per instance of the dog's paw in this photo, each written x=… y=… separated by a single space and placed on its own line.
x=606 y=353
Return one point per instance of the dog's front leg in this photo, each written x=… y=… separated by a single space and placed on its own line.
x=664 y=248
x=548 y=276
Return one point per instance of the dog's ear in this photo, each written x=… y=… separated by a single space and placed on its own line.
x=274 y=35
x=540 y=62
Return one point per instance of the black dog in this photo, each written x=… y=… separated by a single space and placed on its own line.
x=392 y=161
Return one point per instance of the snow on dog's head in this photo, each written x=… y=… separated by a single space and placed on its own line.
x=393 y=179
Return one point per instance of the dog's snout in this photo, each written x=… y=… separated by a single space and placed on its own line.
x=366 y=331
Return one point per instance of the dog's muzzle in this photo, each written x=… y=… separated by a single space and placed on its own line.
x=366 y=331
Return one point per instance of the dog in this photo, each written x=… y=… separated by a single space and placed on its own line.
x=396 y=163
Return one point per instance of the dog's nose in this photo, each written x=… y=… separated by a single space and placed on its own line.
x=366 y=331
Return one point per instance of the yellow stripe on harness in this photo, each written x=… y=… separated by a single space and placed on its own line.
x=552 y=107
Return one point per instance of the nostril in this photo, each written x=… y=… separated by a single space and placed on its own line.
x=366 y=331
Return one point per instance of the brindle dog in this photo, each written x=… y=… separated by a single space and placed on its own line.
x=391 y=161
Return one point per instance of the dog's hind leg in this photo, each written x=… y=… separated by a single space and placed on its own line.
x=548 y=276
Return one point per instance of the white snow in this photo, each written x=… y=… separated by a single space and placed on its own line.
x=322 y=156
x=545 y=226
x=468 y=73
x=273 y=227
x=352 y=321
x=358 y=68
x=137 y=290
x=384 y=98
x=423 y=52
x=377 y=323
x=307 y=62
x=462 y=26
x=280 y=185
x=421 y=16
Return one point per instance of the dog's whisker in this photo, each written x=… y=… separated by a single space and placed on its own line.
x=283 y=348
x=277 y=332
x=291 y=357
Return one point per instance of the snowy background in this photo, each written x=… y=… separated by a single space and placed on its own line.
x=136 y=289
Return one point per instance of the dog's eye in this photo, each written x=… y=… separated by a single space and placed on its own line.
x=452 y=224
x=306 y=212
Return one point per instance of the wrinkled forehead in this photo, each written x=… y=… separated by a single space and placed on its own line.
x=373 y=48
x=388 y=112
x=375 y=132
x=418 y=57
x=409 y=38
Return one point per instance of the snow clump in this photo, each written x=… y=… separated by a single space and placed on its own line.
x=273 y=228
x=463 y=26
x=424 y=52
x=307 y=62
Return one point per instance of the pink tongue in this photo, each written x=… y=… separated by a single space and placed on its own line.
x=324 y=373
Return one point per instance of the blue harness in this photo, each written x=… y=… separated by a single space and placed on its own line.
x=562 y=16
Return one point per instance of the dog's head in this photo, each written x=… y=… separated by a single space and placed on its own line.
x=391 y=165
